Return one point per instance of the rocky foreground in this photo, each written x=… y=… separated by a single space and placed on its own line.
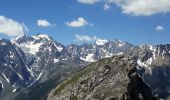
x=108 y=79
x=141 y=74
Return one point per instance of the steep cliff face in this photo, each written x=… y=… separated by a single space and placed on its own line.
x=114 y=78
x=15 y=73
x=137 y=89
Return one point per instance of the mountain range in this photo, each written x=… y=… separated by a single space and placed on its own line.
x=140 y=74
x=29 y=60
x=32 y=66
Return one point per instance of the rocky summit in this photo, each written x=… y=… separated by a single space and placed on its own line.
x=140 y=74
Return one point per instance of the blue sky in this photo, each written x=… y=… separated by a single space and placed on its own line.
x=78 y=21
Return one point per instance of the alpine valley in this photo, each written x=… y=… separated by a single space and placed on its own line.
x=39 y=68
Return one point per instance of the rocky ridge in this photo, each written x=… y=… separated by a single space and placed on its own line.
x=140 y=74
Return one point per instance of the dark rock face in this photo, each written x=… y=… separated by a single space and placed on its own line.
x=137 y=89
x=1 y=87
x=13 y=66
x=153 y=67
x=15 y=74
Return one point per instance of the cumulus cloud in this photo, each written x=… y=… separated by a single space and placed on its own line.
x=106 y=6
x=11 y=28
x=136 y=7
x=159 y=28
x=142 y=7
x=83 y=38
x=80 y=22
x=43 y=23
x=88 y=1
x=87 y=38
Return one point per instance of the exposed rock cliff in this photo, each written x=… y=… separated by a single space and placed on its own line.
x=114 y=78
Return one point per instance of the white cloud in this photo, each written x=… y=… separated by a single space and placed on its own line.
x=101 y=41
x=11 y=28
x=159 y=28
x=143 y=7
x=136 y=7
x=106 y=6
x=43 y=23
x=80 y=22
x=86 y=38
x=88 y=1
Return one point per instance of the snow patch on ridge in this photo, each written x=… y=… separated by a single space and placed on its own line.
x=107 y=54
x=89 y=58
x=39 y=76
x=36 y=37
x=31 y=47
x=153 y=49
x=15 y=87
x=55 y=60
x=59 y=48
x=5 y=77
x=44 y=36
x=20 y=76
x=14 y=90
x=30 y=71
x=120 y=53
x=2 y=84
x=121 y=44
x=149 y=61
x=3 y=43
x=145 y=64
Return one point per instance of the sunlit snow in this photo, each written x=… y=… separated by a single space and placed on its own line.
x=89 y=58
x=144 y=65
x=2 y=84
x=31 y=47
x=55 y=60
x=5 y=77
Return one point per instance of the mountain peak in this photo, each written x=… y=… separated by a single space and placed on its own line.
x=41 y=36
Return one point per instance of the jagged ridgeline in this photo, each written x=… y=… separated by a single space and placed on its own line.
x=38 y=63
x=141 y=74
x=32 y=66
x=107 y=79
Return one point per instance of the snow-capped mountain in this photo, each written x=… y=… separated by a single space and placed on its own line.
x=154 y=67
x=15 y=72
x=24 y=60
x=38 y=58
x=100 y=49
